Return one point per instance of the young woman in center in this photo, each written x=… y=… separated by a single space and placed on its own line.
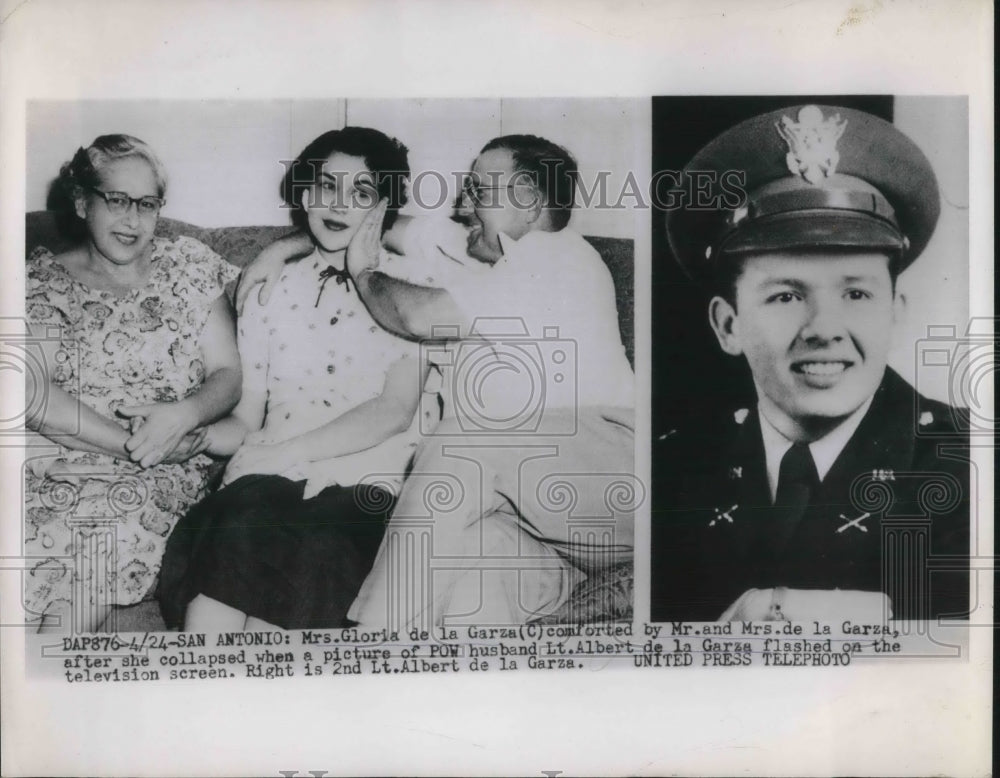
x=325 y=427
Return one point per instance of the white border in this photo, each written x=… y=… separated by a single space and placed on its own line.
x=899 y=719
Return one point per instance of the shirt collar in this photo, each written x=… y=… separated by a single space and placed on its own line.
x=531 y=238
x=508 y=245
x=824 y=451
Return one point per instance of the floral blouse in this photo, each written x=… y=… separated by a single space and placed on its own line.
x=315 y=352
x=134 y=348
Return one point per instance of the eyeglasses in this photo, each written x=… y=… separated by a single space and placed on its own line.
x=479 y=194
x=119 y=203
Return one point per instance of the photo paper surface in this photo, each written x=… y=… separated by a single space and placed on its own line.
x=420 y=404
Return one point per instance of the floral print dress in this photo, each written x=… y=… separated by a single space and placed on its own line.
x=96 y=526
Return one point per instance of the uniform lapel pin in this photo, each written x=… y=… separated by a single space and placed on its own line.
x=741 y=415
x=926 y=418
x=735 y=472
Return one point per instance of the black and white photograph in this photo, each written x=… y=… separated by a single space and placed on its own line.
x=504 y=388
x=818 y=258
x=416 y=408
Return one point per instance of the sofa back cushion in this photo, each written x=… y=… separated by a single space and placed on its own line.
x=239 y=245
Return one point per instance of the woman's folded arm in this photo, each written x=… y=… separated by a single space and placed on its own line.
x=164 y=425
x=63 y=419
x=371 y=422
x=70 y=423
x=364 y=426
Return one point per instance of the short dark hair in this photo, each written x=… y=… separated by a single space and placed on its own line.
x=728 y=268
x=385 y=157
x=550 y=168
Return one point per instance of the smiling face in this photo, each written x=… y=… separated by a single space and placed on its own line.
x=341 y=199
x=815 y=330
x=509 y=204
x=120 y=238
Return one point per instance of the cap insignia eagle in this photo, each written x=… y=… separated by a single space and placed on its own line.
x=812 y=143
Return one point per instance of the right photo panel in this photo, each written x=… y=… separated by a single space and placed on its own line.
x=812 y=401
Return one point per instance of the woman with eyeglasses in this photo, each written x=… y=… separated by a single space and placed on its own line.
x=325 y=427
x=136 y=354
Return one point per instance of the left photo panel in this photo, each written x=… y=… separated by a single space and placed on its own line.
x=330 y=364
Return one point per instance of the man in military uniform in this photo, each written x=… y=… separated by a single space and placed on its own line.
x=836 y=496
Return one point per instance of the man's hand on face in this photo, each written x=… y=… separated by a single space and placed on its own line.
x=366 y=245
x=266 y=268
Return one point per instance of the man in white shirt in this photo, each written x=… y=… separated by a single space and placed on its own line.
x=528 y=480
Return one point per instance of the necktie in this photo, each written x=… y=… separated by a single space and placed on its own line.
x=797 y=483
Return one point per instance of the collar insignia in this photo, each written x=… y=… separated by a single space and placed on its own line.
x=735 y=472
x=812 y=143
x=926 y=418
x=856 y=523
x=723 y=515
x=741 y=415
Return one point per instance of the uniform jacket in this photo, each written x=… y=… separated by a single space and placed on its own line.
x=891 y=515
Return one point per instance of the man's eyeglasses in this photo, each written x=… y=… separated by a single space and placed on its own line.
x=119 y=202
x=483 y=195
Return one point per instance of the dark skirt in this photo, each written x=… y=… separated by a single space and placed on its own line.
x=257 y=546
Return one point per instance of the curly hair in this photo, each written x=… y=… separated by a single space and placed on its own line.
x=84 y=170
x=385 y=157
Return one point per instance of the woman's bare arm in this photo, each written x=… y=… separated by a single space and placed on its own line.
x=371 y=422
x=65 y=420
x=364 y=426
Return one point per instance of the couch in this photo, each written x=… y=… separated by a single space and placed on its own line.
x=607 y=596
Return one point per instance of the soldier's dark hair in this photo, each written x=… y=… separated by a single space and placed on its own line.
x=725 y=272
x=549 y=167
x=385 y=157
